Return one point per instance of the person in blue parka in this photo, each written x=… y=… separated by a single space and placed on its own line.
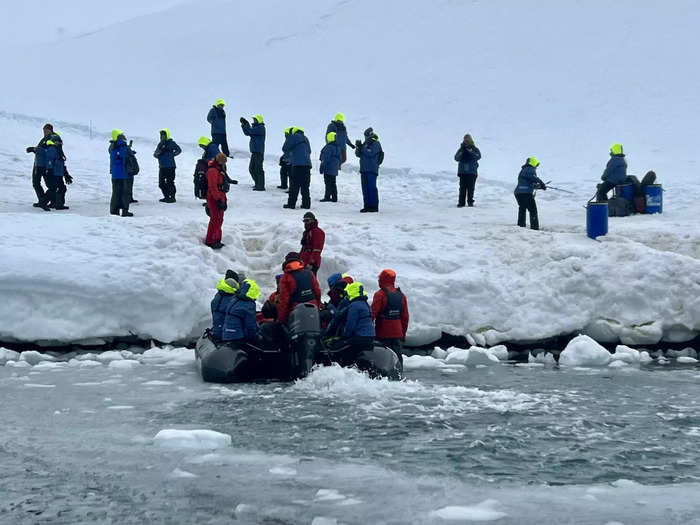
x=330 y=164
x=371 y=157
x=615 y=172
x=297 y=146
x=528 y=182
x=256 y=132
x=226 y=291
x=217 y=118
x=468 y=156
x=56 y=168
x=337 y=126
x=210 y=149
x=357 y=331
x=121 y=196
x=165 y=152
x=240 y=324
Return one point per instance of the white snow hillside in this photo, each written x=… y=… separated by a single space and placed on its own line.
x=67 y=276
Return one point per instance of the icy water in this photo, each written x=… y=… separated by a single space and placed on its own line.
x=504 y=443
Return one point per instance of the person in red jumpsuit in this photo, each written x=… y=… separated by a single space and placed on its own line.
x=312 y=242
x=216 y=200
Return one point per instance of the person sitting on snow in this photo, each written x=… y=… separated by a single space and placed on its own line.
x=240 y=325
x=390 y=312
x=357 y=333
x=297 y=285
x=615 y=172
x=227 y=288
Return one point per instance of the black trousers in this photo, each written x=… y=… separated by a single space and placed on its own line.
x=467 y=182
x=166 y=182
x=255 y=168
x=299 y=182
x=130 y=188
x=60 y=198
x=50 y=181
x=37 y=174
x=220 y=139
x=603 y=189
x=121 y=196
x=526 y=202
x=284 y=176
x=331 y=188
x=395 y=345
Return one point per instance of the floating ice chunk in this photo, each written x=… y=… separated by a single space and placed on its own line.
x=414 y=362
x=33 y=357
x=182 y=474
x=191 y=439
x=584 y=351
x=500 y=351
x=124 y=364
x=328 y=495
x=686 y=352
x=8 y=355
x=169 y=356
x=243 y=508
x=685 y=359
x=618 y=364
x=626 y=354
x=472 y=357
x=322 y=520
x=484 y=511
x=120 y=407
x=662 y=360
x=283 y=471
x=157 y=382
x=37 y=385
x=644 y=357
x=108 y=356
x=84 y=363
x=543 y=358
x=438 y=353
x=625 y=483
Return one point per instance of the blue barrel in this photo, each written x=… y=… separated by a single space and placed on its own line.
x=655 y=198
x=626 y=191
x=597 y=219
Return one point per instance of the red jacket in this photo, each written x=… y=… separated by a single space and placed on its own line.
x=388 y=328
x=215 y=179
x=312 y=244
x=288 y=286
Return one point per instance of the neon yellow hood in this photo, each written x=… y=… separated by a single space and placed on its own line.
x=223 y=286
x=167 y=133
x=116 y=133
x=204 y=141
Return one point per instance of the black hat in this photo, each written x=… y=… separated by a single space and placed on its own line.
x=309 y=215
x=292 y=256
x=230 y=274
x=369 y=132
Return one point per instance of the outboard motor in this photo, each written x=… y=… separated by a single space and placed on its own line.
x=304 y=338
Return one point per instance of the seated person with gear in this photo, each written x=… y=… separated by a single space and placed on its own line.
x=240 y=326
x=227 y=288
x=355 y=324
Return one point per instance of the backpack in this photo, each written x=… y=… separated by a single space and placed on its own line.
x=619 y=207
x=200 y=179
x=649 y=178
x=131 y=164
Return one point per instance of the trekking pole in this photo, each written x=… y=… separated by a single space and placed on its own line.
x=559 y=189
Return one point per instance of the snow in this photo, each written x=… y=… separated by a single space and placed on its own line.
x=484 y=511
x=191 y=439
x=466 y=272
x=8 y=355
x=584 y=351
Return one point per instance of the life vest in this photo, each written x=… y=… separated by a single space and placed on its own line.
x=304 y=291
x=394 y=305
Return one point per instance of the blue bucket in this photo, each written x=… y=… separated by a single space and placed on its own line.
x=626 y=191
x=597 y=219
x=655 y=198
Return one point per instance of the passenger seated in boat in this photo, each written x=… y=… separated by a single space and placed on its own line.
x=297 y=285
x=227 y=288
x=354 y=322
x=269 y=309
x=240 y=325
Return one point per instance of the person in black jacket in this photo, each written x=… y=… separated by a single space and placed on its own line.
x=468 y=156
x=528 y=182
x=165 y=152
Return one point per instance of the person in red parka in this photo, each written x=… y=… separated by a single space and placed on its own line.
x=216 y=200
x=297 y=285
x=312 y=242
x=390 y=312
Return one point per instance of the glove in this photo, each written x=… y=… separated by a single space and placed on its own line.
x=68 y=178
x=244 y=121
x=358 y=143
x=221 y=205
x=230 y=180
x=31 y=149
x=543 y=186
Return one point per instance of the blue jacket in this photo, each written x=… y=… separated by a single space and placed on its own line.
x=256 y=132
x=616 y=170
x=299 y=149
x=341 y=134
x=330 y=158
x=359 y=319
x=219 y=307
x=40 y=150
x=371 y=156
x=340 y=314
x=217 y=118
x=528 y=181
x=211 y=151
x=55 y=160
x=468 y=158
x=240 y=323
x=118 y=150
x=166 y=151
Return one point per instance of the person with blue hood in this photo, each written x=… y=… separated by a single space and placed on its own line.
x=330 y=164
x=217 y=118
x=121 y=193
x=355 y=320
x=337 y=126
x=299 y=150
x=615 y=172
x=256 y=132
x=371 y=157
x=528 y=182
x=55 y=197
x=226 y=291
x=165 y=152
x=240 y=324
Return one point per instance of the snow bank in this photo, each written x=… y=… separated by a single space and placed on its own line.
x=487 y=510
x=191 y=439
x=8 y=355
x=584 y=351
